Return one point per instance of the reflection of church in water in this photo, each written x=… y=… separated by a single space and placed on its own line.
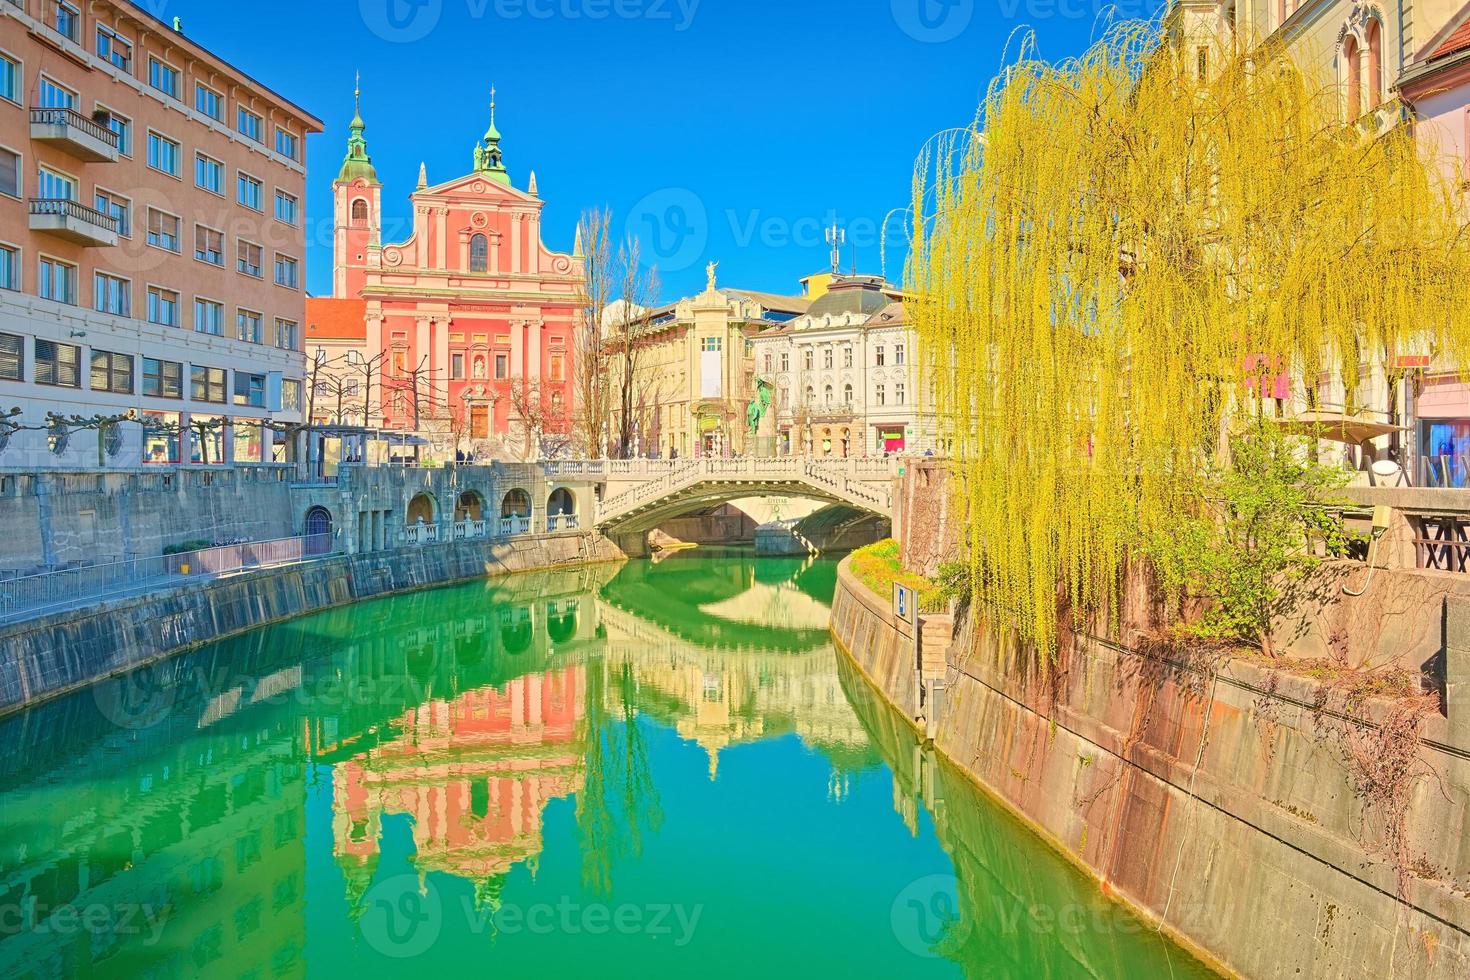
x=474 y=773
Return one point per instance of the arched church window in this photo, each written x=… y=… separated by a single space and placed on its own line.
x=359 y=212
x=479 y=254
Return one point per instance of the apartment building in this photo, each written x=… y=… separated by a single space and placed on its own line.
x=152 y=245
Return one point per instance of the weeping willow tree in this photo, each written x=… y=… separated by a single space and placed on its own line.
x=1105 y=260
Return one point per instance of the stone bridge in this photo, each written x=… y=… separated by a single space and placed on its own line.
x=641 y=494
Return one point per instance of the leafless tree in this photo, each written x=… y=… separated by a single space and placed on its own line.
x=590 y=382
x=543 y=420
x=639 y=288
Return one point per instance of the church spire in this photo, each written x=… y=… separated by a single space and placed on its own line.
x=357 y=163
x=488 y=158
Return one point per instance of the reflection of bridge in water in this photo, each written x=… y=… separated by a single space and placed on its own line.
x=466 y=710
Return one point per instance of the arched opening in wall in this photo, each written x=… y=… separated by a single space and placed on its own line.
x=561 y=510
x=318 y=531
x=469 y=507
x=515 y=512
x=359 y=212
x=479 y=254
x=421 y=509
x=1375 y=65
x=1352 y=77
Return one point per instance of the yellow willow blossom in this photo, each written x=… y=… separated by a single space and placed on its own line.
x=1107 y=258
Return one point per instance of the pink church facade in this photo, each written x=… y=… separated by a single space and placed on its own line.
x=469 y=323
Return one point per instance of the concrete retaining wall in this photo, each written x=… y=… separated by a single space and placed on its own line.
x=1218 y=809
x=43 y=658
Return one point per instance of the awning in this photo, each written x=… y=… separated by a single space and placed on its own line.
x=1351 y=429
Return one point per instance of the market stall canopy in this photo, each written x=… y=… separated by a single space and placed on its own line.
x=1351 y=429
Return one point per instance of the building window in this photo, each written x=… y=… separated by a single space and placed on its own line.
x=9 y=267
x=770 y=363
x=163 y=379
x=249 y=191
x=1352 y=63
x=248 y=327
x=112 y=372
x=359 y=212
x=898 y=353
x=785 y=362
x=811 y=395
x=209 y=245
x=163 y=77
x=502 y=367
x=291 y=394
x=209 y=102
x=847 y=356
x=456 y=367
x=163 y=306
x=711 y=345
x=112 y=294
x=58 y=364
x=209 y=317
x=285 y=207
x=53 y=186
x=249 y=124
x=847 y=394
x=250 y=389
x=118 y=208
x=58 y=281
x=163 y=230
x=163 y=154
x=123 y=127
x=286 y=144
x=288 y=334
x=207 y=384
x=9 y=79
x=558 y=368
x=250 y=258
x=286 y=271
x=68 y=21
x=878 y=355
x=827 y=395
x=50 y=95
x=1375 y=63
x=209 y=174
x=479 y=254
x=114 y=49
x=827 y=358
x=12 y=357
x=878 y=395
x=898 y=393
x=806 y=359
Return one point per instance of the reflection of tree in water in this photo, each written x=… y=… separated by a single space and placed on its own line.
x=619 y=800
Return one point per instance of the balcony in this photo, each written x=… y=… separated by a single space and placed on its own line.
x=74 y=134
x=72 y=221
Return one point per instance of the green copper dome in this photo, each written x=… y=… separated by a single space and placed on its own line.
x=357 y=163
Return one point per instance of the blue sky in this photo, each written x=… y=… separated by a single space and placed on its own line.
x=728 y=130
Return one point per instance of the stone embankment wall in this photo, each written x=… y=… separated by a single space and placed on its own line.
x=1221 y=803
x=46 y=657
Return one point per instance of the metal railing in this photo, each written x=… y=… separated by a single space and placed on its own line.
x=33 y=595
x=64 y=207
x=65 y=116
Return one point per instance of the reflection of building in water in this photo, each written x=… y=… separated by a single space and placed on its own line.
x=473 y=772
x=718 y=698
x=189 y=833
x=772 y=603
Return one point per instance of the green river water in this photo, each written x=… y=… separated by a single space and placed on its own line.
x=647 y=770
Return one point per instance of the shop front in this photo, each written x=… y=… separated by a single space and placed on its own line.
x=1443 y=412
x=891 y=439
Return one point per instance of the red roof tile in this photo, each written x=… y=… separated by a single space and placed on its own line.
x=1458 y=40
x=336 y=319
